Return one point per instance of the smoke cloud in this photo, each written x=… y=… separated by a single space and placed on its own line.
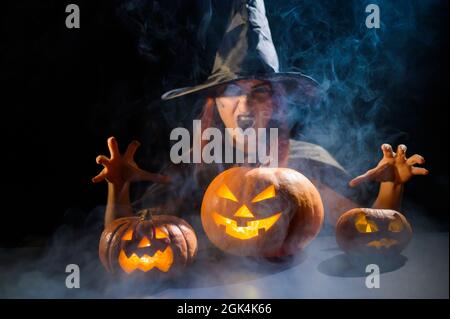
x=358 y=69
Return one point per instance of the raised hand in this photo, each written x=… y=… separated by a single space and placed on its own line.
x=393 y=167
x=120 y=169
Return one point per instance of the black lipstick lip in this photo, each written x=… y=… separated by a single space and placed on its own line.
x=245 y=121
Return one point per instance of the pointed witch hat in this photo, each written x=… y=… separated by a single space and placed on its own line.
x=247 y=52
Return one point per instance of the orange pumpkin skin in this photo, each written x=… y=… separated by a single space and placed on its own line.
x=158 y=245
x=268 y=212
x=370 y=232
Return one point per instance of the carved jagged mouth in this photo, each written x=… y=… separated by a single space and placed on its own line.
x=245 y=232
x=384 y=242
x=161 y=260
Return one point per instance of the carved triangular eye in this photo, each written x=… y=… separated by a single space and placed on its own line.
x=128 y=235
x=225 y=192
x=269 y=192
x=160 y=234
x=396 y=225
x=365 y=226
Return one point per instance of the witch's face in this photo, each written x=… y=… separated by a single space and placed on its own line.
x=245 y=104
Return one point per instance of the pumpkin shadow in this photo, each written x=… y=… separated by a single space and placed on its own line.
x=215 y=268
x=343 y=265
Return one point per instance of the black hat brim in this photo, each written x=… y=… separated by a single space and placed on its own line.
x=302 y=88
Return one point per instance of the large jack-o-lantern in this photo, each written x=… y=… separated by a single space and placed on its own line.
x=261 y=211
x=147 y=244
x=372 y=232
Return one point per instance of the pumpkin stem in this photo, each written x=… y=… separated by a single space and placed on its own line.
x=146 y=214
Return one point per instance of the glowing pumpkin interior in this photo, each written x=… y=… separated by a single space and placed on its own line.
x=252 y=227
x=365 y=226
x=161 y=259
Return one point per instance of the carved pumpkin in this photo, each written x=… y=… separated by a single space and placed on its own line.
x=372 y=232
x=147 y=243
x=261 y=211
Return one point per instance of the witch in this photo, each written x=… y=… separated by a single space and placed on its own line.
x=246 y=90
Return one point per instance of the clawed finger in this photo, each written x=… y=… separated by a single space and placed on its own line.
x=142 y=175
x=415 y=159
x=357 y=180
x=361 y=178
x=370 y=174
x=102 y=160
x=419 y=171
x=387 y=151
x=401 y=151
x=99 y=177
x=113 y=147
x=131 y=150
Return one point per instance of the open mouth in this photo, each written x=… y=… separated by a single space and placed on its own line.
x=382 y=243
x=245 y=121
x=252 y=229
x=162 y=260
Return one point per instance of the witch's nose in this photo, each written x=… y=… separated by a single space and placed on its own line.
x=243 y=105
x=243 y=211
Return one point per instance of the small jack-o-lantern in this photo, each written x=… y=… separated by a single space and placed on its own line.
x=261 y=211
x=147 y=243
x=373 y=232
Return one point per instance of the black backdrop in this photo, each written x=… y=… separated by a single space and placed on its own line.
x=65 y=91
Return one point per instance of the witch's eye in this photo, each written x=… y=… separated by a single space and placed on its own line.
x=262 y=90
x=232 y=90
x=395 y=226
x=225 y=192
x=365 y=226
x=269 y=192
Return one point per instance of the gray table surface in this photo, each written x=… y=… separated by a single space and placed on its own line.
x=322 y=271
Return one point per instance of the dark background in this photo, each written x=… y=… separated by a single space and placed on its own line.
x=66 y=90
